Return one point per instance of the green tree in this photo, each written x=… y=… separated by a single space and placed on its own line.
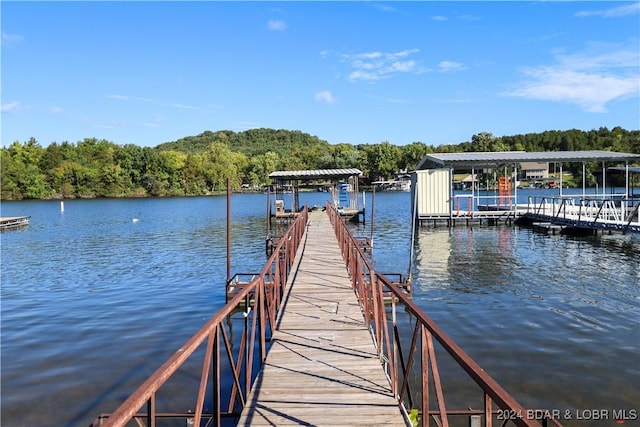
x=482 y=141
x=173 y=163
x=21 y=172
x=58 y=163
x=131 y=160
x=9 y=172
x=412 y=154
x=202 y=163
x=154 y=179
x=65 y=178
x=382 y=159
x=222 y=164
x=193 y=177
x=340 y=156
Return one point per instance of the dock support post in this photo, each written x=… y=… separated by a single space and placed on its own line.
x=228 y=230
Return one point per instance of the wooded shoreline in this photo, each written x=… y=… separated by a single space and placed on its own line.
x=200 y=165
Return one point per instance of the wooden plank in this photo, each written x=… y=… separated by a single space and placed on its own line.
x=7 y=223
x=322 y=368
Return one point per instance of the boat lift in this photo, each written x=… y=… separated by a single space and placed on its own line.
x=434 y=199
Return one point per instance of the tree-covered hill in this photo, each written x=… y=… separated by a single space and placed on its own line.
x=251 y=142
x=616 y=139
x=201 y=164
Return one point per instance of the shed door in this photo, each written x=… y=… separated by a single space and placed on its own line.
x=434 y=192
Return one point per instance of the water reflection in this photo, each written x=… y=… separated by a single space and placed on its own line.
x=519 y=302
x=92 y=302
x=433 y=251
x=466 y=258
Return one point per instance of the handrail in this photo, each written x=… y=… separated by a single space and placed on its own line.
x=261 y=297
x=369 y=286
x=613 y=214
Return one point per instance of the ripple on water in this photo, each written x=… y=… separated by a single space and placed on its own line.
x=519 y=303
x=92 y=303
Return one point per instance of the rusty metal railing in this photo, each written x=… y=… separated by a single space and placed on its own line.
x=259 y=302
x=399 y=362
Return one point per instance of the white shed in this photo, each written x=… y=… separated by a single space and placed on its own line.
x=433 y=188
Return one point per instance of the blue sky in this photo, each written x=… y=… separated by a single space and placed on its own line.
x=355 y=72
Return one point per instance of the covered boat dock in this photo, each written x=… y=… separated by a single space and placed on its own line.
x=342 y=183
x=434 y=201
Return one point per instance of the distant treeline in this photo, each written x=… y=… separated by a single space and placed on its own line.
x=199 y=165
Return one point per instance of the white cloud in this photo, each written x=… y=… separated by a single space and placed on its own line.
x=373 y=66
x=590 y=91
x=9 y=40
x=439 y=18
x=156 y=120
x=590 y=80
x=463 y=100
x=184 y=106
x=614 y=12
x=400 y=66
x=113 y=124
x=56 y=110
x=325 y=96
x=11 y=106
x=383 y=7
x=398 y=101
x=600 y=56
x=162 y=103
x=451 y=66
x=130 y=98
x=363 y=75
x=273 y=25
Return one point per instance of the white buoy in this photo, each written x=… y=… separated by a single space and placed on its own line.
x=61 y=206
x=135 y=220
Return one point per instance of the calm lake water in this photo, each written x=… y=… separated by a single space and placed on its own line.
x=93 y=302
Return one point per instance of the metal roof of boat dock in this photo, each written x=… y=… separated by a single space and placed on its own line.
x=475 y=159
x=315 y=174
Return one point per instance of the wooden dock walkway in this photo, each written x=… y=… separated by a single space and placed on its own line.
x=11 y=222
x=322 y=368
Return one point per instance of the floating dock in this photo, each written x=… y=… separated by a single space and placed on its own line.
x=491 y=217
x=434 y=201
x=13 y=222
x=547 y=228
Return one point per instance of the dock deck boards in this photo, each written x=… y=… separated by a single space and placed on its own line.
x=10 y=222
x=322 y=368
